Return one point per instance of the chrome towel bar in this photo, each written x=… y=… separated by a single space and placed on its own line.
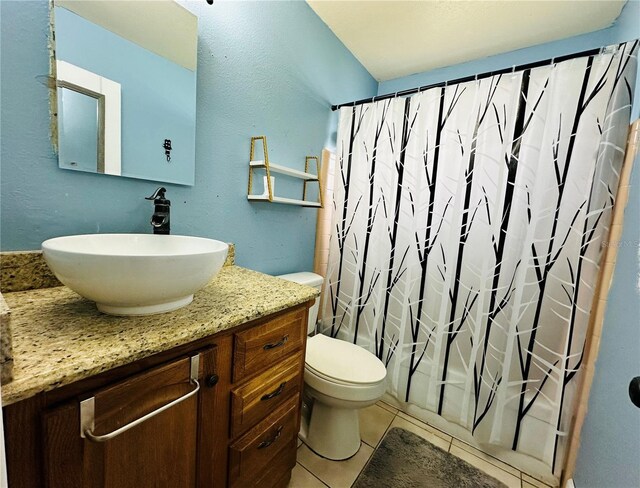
x=87 y=410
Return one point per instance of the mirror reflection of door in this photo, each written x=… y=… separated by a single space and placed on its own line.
x=81 y=131
x=89 y=120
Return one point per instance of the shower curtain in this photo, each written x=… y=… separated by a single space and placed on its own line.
x=468 y=224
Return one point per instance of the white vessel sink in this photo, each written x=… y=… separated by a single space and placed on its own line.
x=135 y=274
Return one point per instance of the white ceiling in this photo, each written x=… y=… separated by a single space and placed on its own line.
x=395 y=38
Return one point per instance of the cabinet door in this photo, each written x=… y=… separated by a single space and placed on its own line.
x=142 y=431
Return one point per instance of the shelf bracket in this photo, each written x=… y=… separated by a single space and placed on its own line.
x=265 y=152
x=306 y=170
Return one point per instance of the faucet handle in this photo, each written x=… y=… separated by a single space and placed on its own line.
x=158 y=194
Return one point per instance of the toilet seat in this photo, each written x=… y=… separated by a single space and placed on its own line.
x=329 y=379
x=343 y=371
x=342 y=362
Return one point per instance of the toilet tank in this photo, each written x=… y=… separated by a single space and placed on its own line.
x=313 y=280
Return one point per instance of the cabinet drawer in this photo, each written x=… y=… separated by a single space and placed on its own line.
x=268 y=443
x=263 y=394
x=258 y=348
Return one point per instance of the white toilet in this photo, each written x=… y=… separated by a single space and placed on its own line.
x=339 y=379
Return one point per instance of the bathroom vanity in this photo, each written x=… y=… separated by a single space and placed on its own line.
x=207 y=395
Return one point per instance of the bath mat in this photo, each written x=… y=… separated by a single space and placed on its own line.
x=405 y=460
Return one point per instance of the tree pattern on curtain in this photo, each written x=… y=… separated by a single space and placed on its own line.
x=468 y=227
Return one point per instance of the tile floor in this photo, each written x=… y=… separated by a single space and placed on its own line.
x=313 y=471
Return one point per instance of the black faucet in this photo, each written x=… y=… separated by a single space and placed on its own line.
x=160 y=220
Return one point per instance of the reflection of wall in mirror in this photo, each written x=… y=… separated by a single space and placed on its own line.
x=157 y=95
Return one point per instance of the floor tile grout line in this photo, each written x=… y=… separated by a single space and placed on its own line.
x=327 y=483
x=489 y=455
x=385 y=431
x=538 y=480
x=376 y=446
x=388 y=404
x=387 y=407
x=383 y=434
x=507 y=473
x=365 y=442
x=519 y=476
x=425 y=423
x=365 y=465
x=312 y=474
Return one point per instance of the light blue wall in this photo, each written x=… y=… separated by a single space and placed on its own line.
x=610 y=444
x=610 y=448
x=270 y=68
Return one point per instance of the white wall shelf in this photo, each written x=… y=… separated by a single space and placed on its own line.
x=288 y=201
x=270 y=168
x=276 y=168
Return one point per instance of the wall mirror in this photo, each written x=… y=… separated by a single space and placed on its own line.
x=125 y=90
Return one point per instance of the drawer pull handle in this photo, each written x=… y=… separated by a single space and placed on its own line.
x=266 y=347
x=87 y=410
x=274 y=393
x=264 y=444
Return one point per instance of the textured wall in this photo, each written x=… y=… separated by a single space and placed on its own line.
x=610 y=442
x=268 y=68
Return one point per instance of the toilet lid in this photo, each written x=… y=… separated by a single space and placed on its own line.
x=343 y=361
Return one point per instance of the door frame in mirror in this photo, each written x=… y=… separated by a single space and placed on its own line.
x=107 y=93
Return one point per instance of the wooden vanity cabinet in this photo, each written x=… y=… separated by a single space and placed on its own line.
x=235 y=426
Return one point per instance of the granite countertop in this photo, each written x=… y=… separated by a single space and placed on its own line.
x=60 y=337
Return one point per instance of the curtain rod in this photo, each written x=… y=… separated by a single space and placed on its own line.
x=522 y=67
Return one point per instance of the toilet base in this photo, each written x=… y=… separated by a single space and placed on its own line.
x=333 y=433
